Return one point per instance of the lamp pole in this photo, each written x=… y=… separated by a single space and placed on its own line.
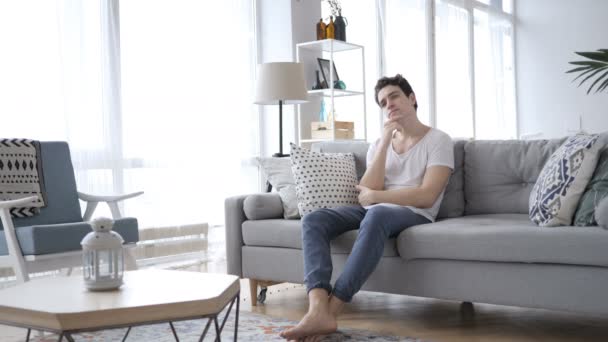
x=280 y=154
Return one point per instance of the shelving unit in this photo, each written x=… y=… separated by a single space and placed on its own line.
x=332 y=46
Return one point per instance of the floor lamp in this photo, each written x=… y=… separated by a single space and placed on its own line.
x=280 y=83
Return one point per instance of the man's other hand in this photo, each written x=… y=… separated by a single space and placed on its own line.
x=366 y=195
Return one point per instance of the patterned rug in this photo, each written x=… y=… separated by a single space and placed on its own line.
x=252 y=327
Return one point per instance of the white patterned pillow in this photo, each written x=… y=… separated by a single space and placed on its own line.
x=278 y=173
x=323 y=180
x=562 y=181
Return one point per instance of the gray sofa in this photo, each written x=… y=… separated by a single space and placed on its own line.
x=482 y=248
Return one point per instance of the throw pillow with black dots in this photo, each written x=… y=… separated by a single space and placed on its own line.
x=323 y=180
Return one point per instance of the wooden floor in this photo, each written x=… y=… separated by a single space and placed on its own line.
x=426 y=319
x=438 y=320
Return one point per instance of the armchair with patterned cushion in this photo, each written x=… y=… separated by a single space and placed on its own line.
x=51 y=239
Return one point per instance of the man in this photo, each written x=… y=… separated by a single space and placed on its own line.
x=408 y=168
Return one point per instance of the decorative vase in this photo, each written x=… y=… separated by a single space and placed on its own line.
x=340 y=28
x=330 y=29
x=322 y=112
x=103 y=259
x=321 y=29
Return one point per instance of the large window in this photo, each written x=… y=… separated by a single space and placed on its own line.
x=457 y=54
x=152 y=95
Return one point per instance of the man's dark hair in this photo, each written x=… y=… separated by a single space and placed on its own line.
x=398 y=81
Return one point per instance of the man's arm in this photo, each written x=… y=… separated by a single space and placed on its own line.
x=424 y=196
x=373 y=177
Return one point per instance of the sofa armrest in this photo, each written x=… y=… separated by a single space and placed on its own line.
x=234 y=217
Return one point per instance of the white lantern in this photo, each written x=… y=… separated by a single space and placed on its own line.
x=103 y=259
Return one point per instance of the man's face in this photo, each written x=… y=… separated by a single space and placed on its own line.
x=395 y=104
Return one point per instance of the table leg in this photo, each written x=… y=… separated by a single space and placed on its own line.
x=126 y=334
x=174 y=332
x=227 y=314
x=205 y=331
x=236 y=318
x=218 y=338
x=27 y=337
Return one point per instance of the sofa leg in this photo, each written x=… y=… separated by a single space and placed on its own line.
x=253 y=291
x=467 y=309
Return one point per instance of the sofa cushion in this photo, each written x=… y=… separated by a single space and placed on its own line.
x=601 y=213
x=562 y=181
x=323 y=180
x=452 y=204
x=263 y=206
x=63 y=237
x=597 y=189
x=288 y=234
x=277 y=172
x=357 y=148
x=504 y=238
x=499 y=174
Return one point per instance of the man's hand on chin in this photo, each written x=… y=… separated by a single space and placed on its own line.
x=366 y=195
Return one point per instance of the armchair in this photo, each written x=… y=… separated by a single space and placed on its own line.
x=51 y=239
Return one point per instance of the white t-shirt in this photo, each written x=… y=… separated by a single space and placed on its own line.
x=407 y=170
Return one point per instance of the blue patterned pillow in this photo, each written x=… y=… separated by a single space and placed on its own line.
x=562 y=181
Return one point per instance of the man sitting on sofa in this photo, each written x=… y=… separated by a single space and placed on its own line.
x=408 y=168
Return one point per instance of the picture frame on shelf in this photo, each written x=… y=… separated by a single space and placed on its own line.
x=324 y=66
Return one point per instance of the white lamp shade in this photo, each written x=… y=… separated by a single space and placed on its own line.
x=280 y=81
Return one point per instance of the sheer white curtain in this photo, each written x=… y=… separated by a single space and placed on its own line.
x=187 y=71
x=405 y=39
x=151 y=95
x=494 y=77
x=453 y=70
x=474 y=79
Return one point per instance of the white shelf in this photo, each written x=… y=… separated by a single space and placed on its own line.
x=329 y=139
x=332 y=47
x=337 y=92
x=326 y=45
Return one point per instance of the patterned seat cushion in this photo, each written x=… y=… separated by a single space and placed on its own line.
x=323 y=180
x=562 y=181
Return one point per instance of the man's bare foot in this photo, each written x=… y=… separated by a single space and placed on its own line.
x=317 y=322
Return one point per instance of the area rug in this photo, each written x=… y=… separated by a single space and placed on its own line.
x=252 y=327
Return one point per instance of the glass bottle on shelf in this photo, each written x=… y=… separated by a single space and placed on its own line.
x=340 y=28
x=322 y=111
x=321 y=29
x=330 y=30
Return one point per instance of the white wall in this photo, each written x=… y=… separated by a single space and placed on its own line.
x=547 y=34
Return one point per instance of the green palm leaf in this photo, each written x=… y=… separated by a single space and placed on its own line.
x=596 y=81
x=597 y=61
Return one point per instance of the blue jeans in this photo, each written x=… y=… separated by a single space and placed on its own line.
x=375 y=225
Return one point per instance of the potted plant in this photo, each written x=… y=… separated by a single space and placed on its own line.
x=596 y=64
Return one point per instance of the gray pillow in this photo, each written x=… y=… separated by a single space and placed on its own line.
x=263 y=206
x=278 y=173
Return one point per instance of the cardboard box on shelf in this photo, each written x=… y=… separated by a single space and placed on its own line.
x=323 y=130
